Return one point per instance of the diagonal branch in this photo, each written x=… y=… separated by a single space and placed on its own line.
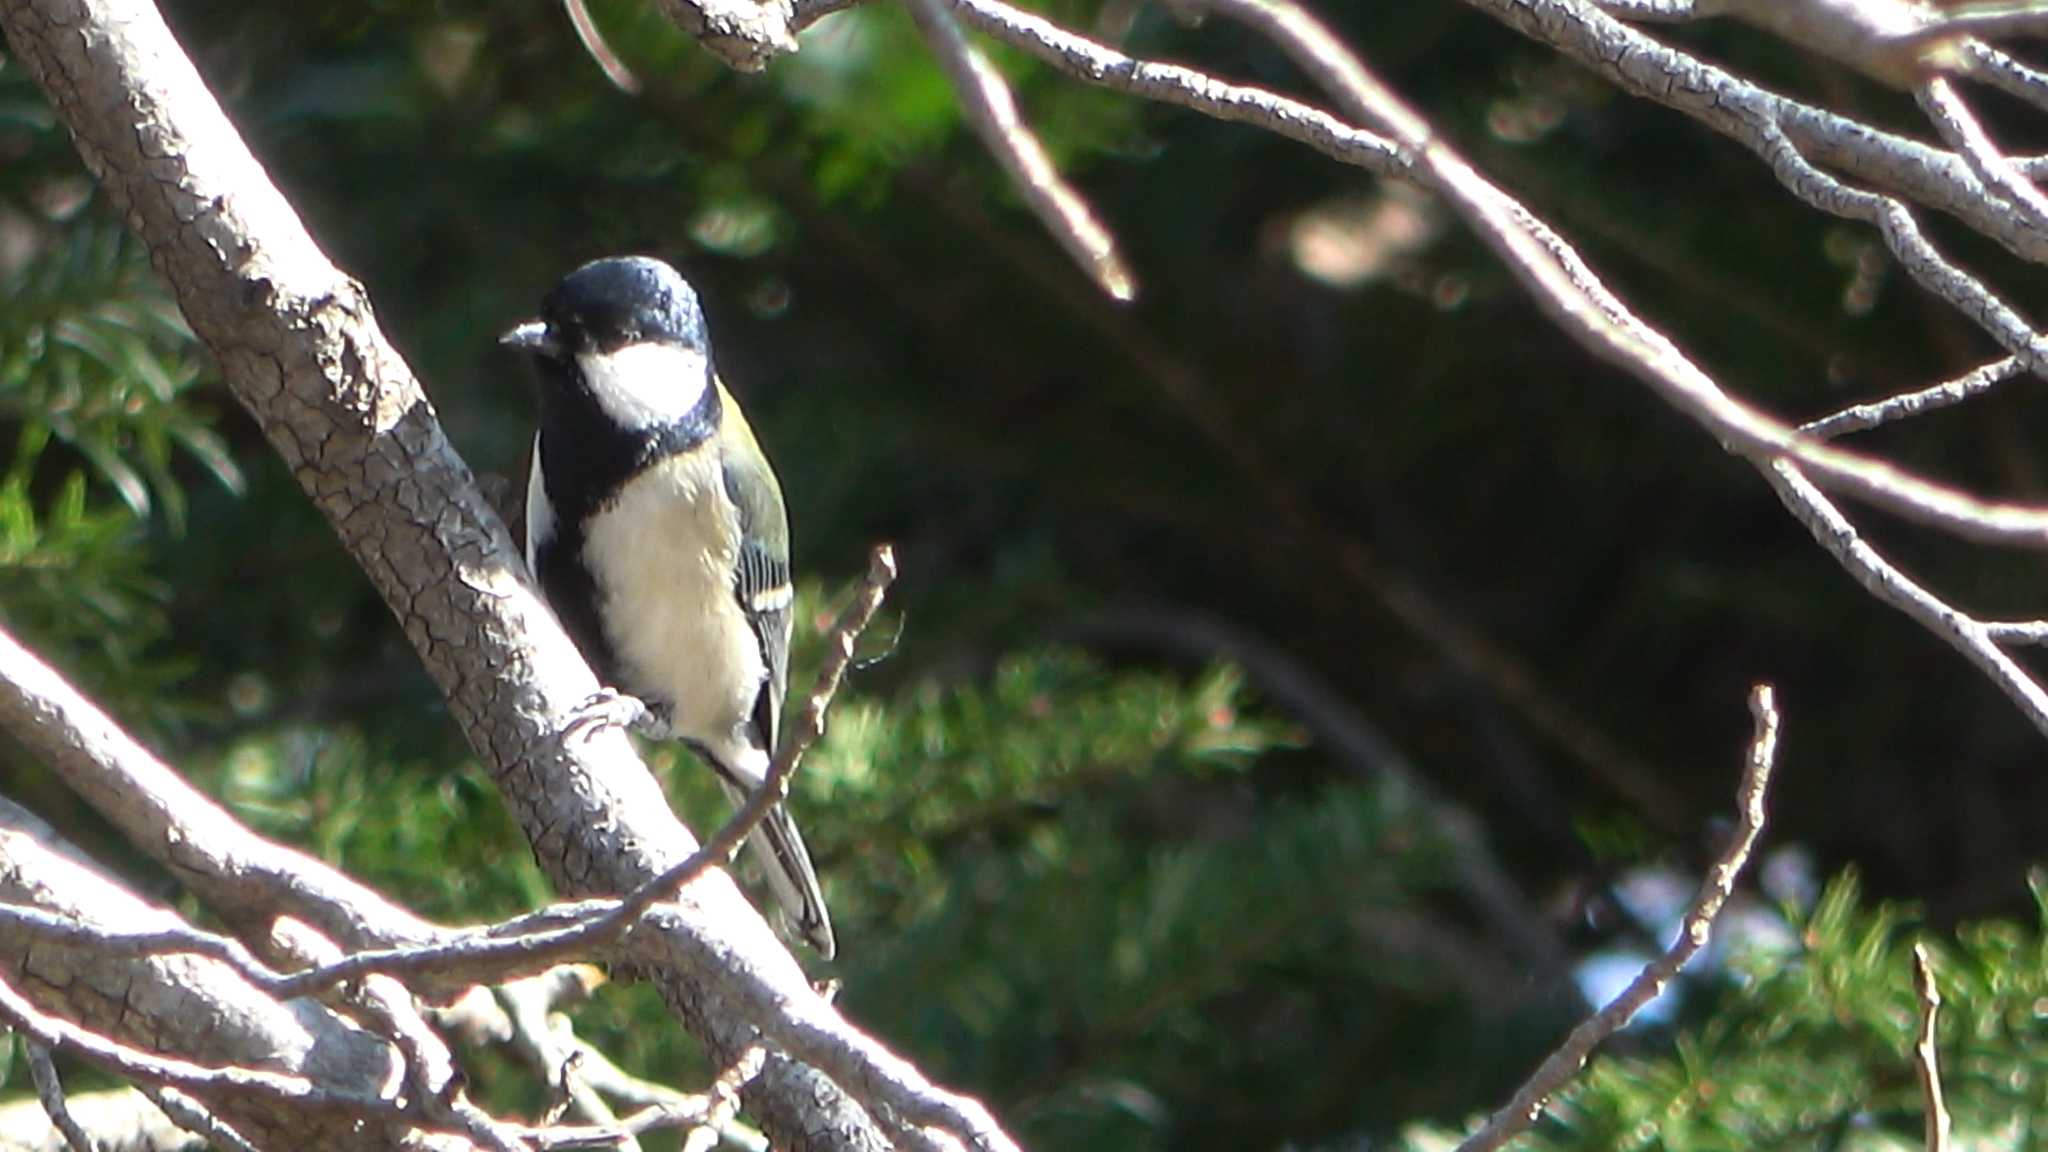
x=244 y=877
x=1863 y=417
x=42 y=1072
x=992 y=109
x=1560 y=1066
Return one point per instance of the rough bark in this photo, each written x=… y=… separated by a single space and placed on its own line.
x=195 y=1009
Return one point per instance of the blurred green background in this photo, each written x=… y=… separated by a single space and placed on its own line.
x=1214 y=607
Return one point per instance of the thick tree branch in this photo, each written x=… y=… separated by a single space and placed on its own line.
x=296 y=1074
x=248 y=880
x=746 y=34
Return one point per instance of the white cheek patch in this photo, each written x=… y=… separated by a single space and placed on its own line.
x=646 y=385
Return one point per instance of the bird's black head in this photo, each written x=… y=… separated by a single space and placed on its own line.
x=624 y=365
x=611 y=304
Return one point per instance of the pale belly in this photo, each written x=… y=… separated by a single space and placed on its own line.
x=663 y=556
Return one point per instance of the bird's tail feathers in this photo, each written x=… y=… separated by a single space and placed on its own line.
x=787 y=863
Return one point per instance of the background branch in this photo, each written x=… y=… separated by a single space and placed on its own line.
x=1558 y=1069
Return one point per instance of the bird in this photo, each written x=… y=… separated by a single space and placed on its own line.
x=657 y=532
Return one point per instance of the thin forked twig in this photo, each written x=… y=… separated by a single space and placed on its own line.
x=2017 y=631
x=1558 y=1069
x=2018 y=80
x=1864 y=417
x=708 y=1112
x=195 y=1118
x=992 y=108
x=1960 y=129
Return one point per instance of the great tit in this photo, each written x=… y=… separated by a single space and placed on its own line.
x=657 y=532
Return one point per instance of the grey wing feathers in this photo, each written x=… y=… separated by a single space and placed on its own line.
x=762 y=585
x=766 y=598
x=761 y=581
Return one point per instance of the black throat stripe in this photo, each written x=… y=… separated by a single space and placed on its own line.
x=585 y=459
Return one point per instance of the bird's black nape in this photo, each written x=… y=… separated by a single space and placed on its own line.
x=620 y=300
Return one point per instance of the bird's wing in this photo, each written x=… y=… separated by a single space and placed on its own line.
x=762 y=578
x=766 y=598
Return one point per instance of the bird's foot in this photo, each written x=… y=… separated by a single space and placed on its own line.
x=611 y=708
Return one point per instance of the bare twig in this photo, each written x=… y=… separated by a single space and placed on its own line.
x=992 y=108
x=593 y=41
x=747 y=34
x=707 y=1116
x=43 y=924
x=2020 y=81
x=1863 y=417
x=1989 y=21
x=1557 y=1070
x=2017 y=631
x=1733 y=106
x=1896 y=41
x=194 y=1011
x=556 y=1055
x=597 y=1070
x=1961 y=130
x=1651 y=11
x=1782 y=132
x=42 y=1071
x=1098 y=63
x=724 y=1096
x=388 y=1009
x=197 y=1119
x=1926 y=1056
x=1886 y=581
